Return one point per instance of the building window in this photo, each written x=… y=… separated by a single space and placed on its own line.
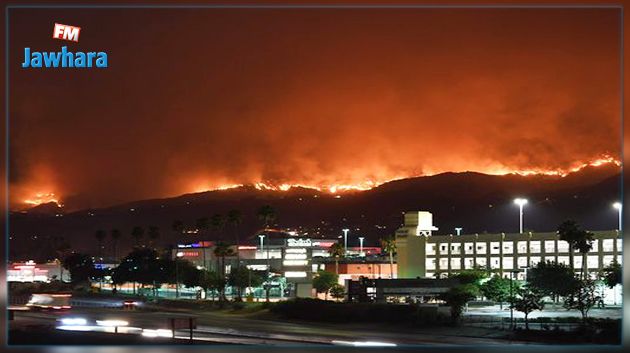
x=508 y=263
x=563 y=260
x=482 y=262
x=592 y=261
x=595 y=244
x=455 y=249
x=481 y=248
x=468 y=248
x=607 y=260
x=619 y=259
x=495 y=262
x=495 y=248
x=508 y=247
x=577 y=262
x=430 y=264
x=619 y=245
x=469 y=263
x=534 y=247
x=522 y=261
x=550 y=246
x=443 y=264
x=443 y=249
x=534 y=260
x=608 y=245
x=456 y=264
x=522 y=247
x=563 y=246
x=550 y=259
x=430 y=249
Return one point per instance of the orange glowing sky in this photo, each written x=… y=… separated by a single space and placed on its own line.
x=321 y=98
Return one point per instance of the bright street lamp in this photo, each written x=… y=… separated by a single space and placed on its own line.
x=520 y=202
x=361 y=245
x=345 y=240
x=618 y=206
x=261 y=237
x=459 y=230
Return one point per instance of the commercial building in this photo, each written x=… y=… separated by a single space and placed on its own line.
x=30 y=271
x=423 y=255
x=291 y=261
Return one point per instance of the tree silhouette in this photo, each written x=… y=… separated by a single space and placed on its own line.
x=234 y=219
x=137 y=233
x=389 y=246
x=154 y=234
x=578 y=239
x=61 y=248
x=202 y=224
x=178 y=228
x=527 y=300
x=115 y=234
x=221 y=251
x=217 y=223
x=336 y=251
x=100 y=235
x=267 y=215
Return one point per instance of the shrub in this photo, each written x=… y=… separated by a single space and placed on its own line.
x=322 y=310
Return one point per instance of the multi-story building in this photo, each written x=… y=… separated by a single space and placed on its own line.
x=423 y=255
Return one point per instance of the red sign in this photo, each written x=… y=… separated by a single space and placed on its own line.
x=66 y=32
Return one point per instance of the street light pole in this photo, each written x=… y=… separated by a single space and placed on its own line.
x=262 y=237
x=345 y=240
x=520 y=202
x=178 y=256
x=511 y=301
x=618 y=206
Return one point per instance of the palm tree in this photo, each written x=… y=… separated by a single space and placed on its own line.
x=202 y=225
x=217 y=223
x=234 y=219
x=221 y=251
x=389 y=246
x=100 y=235
x=267 y=215
x=177 y=227
x=154 y=234
x=61 y=248
x=577 y=238
x=336 y=251
x=137 y=233
x=583 y=247
x=115 y=234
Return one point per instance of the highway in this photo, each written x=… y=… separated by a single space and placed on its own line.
x=221 y=328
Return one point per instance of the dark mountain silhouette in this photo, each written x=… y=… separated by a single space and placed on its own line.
x=477 y=202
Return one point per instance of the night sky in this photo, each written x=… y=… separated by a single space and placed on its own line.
x=199 y=98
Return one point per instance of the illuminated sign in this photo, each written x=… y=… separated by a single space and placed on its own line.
x=299 y=242
x=189 y=254
x=295 y=274
x=296 y=251
x=295 y=256
x=324 y=244
x=294 y=263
